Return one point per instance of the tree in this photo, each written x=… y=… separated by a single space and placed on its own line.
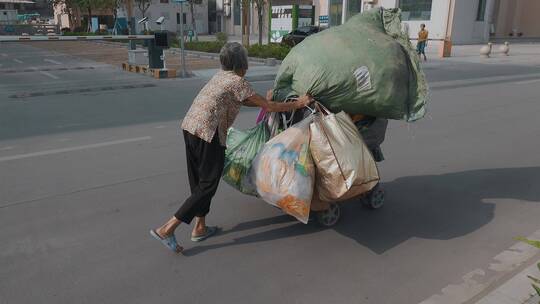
x=85 y=6
x=68 y=7
x=245 y=22
x=192 y=4
x=143 y=5
x=89 y=6
x=114 y=6
x=259 y=4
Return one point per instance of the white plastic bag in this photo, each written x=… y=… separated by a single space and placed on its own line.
x=284 y=171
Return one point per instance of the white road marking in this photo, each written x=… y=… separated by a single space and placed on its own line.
x=528 y=81
x=52 y=61
x=71 y=149
x=49 y=75
x=45 y=73
x=3 y=55
x=479 y=280
x=160 y=127
x=17 y=60
x=6 y=148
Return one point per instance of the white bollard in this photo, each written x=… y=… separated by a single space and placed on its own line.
x=505 y=48
x=485 y=51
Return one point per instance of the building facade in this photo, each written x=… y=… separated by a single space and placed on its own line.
x=211 y=16
x=463 y=21
x=515 y=18
x=171 y=11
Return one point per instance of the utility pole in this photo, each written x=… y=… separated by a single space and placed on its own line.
x=182 y=49
x=131 y=23
x=445 y=50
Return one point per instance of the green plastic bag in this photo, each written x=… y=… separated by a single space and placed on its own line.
x=365 y=66
x=242 y=147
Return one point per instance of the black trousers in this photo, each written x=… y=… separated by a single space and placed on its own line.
x=205 y=163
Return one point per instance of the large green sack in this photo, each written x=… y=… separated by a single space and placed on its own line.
x=242 y=147
x=366 y=66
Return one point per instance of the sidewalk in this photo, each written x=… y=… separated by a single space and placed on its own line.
x=205 y=64
x=520 y=54
x=115 y=53
x=516 y=290
x=501 y=280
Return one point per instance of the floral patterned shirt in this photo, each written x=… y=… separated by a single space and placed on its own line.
x=216 y=106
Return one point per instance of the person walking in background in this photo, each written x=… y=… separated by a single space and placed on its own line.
x=422 y=41
x=205 y=134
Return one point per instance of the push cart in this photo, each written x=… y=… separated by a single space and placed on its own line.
x=373 y=131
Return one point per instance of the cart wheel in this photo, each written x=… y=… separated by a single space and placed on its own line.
x=329 y=217
x=375 y=198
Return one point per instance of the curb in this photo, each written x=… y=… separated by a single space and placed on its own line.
x=156 y=73
x=485 y=285
x=265 y=61
x=515 y=290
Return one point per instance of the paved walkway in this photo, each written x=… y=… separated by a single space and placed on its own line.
x=520 y=54
x=116 y=54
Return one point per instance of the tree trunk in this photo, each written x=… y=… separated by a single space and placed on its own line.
x=193 y=24
x=71 y=21
x=115 y=17
x=89 y=19
x=260 y=19
x=245 y=23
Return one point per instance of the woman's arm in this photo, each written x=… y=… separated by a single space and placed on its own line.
x=271 y=106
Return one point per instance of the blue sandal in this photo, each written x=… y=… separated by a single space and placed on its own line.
x=169 y=242
x=210 y=231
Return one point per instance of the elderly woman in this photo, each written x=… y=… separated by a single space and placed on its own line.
x=205 y=132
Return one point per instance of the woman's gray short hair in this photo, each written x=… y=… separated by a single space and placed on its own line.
x=233 y=57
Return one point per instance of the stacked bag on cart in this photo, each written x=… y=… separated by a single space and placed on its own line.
x=284 y=172
x=365 y=66
x=323 y=152
x=345 y=166
x=242 y=147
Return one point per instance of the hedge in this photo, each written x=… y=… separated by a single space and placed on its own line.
x=272 y=50
x=204 y=46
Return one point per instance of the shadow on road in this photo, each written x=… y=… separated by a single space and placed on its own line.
x=437 y=207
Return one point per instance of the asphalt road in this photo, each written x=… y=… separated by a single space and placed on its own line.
x=91 y=158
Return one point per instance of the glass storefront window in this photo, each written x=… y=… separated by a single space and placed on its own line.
x=480 y=14
x=415 y=9
x=336 y=8
x=236 y=12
